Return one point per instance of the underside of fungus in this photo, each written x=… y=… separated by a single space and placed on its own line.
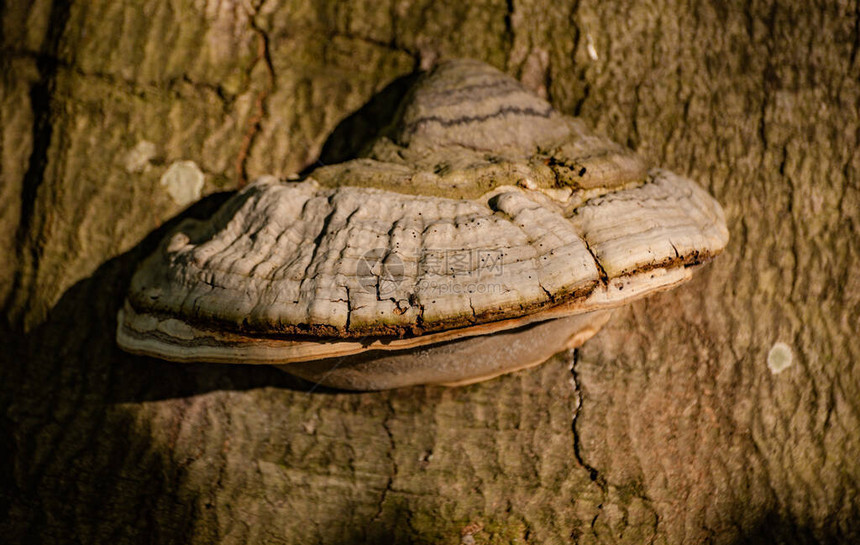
x=478 y=234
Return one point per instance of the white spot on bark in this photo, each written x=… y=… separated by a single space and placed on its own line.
x=139 y=157
x=589 y=47
x=184 y=182
x=310 y=426
x=779 y=358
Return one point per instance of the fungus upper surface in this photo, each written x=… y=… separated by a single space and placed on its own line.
x=466 y=128
x=480 y=205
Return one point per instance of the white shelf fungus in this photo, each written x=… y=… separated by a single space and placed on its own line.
x=479 y=234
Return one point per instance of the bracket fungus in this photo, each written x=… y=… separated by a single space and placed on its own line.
x=478 y=234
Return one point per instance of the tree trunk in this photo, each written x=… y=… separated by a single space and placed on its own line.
x=668 y=427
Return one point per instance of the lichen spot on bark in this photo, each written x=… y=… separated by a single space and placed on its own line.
x=183 y=181
x=779 y=358
x=139 y=158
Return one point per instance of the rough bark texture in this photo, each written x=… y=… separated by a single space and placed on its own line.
x=668 y=427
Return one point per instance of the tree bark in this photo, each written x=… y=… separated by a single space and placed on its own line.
x=667 y=427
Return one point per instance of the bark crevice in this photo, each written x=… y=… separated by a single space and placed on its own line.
x=579 y=398
x=41 y=93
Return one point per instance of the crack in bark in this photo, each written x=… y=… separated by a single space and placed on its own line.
x=41 y=95
x=578 y=37
x=253 y=127
x=656 y=529
x=139 y=88
x=510 y=33
x=390 y=45
x=855 y=45
x=391 y=450
x=577 y=441
x=795 y=228
x=594 y=474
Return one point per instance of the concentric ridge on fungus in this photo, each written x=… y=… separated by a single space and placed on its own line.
x=479 y=210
